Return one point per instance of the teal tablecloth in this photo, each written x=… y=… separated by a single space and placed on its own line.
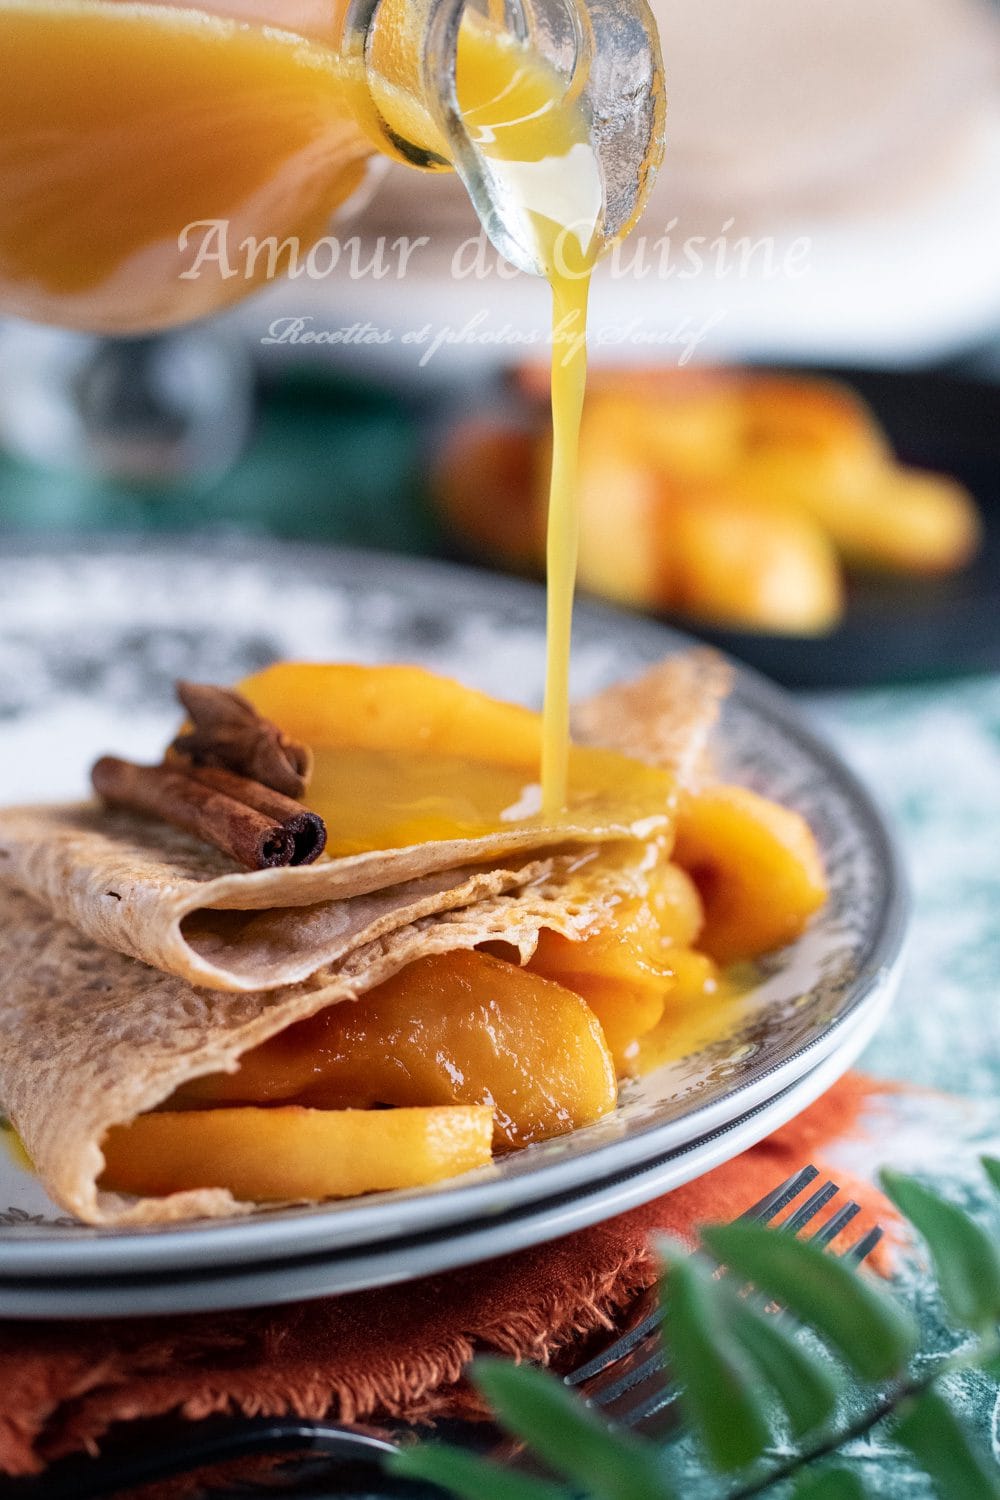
x=327 y=461
x=932 y=755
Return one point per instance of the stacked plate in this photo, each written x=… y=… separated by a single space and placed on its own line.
x=90 y=643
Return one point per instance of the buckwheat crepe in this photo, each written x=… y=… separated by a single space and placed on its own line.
x=162 y=897
x=91 y=1037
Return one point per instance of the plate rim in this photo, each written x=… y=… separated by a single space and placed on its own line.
x=271 y=1238
x=306 y=1277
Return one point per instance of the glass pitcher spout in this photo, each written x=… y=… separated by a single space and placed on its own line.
x=163 y=160
x=547 y=109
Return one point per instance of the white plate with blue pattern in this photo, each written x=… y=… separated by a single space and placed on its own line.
x=91 y=639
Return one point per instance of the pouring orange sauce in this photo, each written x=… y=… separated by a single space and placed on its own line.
x=156 y=118
x=517 y=111
x=121 y=124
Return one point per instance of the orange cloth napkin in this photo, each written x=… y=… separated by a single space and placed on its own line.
x=400 y=1351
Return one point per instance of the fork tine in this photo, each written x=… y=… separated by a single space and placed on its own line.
x=622 y=1346
x=625 y=1374
x=762 y=1212
x=835 y=1224
x=780 y=1197
x=810 y=1208
x=630 y=1384
x=864 y=1247
x=635 y=1359
x=656 y=1413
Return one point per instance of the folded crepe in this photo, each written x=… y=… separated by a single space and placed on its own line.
x=91 y=1038
x=160 y=896
x=163 y=897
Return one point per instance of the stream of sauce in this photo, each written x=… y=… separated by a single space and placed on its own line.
x=521 y=116
x=569 y=376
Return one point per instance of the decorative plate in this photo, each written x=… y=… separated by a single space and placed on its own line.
x=91 y=639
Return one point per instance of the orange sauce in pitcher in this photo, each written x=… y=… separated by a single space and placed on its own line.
x=120 y=124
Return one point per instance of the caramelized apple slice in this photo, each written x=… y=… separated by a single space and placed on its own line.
x=266 y=1155
x=913 y=522
x=680 y=537
x=686 y=423
x=696 y=977
x=632 y=939
x=676 y=905
x=622 y=968
x=822 y=420
x=618 y=553
x=701 y=1009
x=619 y=970
x=880 y=516
x=625 y=968
x=626 y=1013
x=627 y=946
x=753 y=566
x=393 y=708
x=756 y=865
x=455 y=1028
x=405 y=757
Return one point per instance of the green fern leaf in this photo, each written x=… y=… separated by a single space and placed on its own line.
x=966 y=1260
x=469 y=1477
x=802 y=1383
x=866 y=1328
x=570 y=1438
x=992 y=1168
x=940 y=1444
x=832 y=1484
x=719 y=1391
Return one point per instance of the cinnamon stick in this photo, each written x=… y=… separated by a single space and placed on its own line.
x=232 y=780
x=307 y=829
x=253 y=838
x=227 y=731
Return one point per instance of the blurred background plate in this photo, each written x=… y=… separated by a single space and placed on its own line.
x=344 y=462
x=905 y=629
x=341 y=462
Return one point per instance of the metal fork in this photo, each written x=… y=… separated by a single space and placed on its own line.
x=628 y=1382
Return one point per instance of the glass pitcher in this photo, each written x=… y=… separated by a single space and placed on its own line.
x=136 y=138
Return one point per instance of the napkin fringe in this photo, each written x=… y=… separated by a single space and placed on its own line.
x=429 y=1384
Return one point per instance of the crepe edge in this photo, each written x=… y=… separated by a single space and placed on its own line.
x=75 y=870
x=665 y=716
